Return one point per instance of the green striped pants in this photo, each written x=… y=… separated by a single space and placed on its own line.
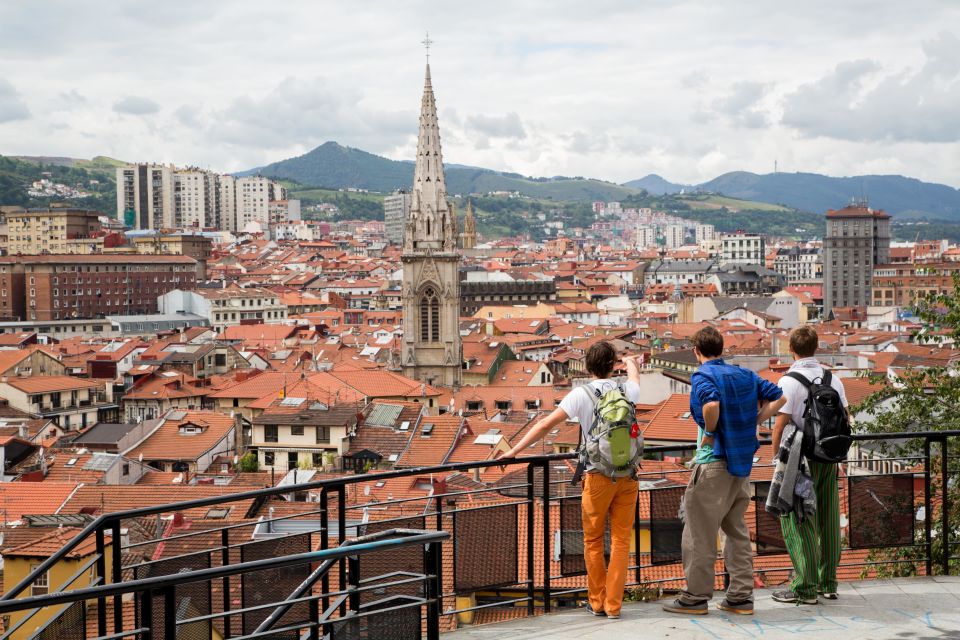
x=814 y=544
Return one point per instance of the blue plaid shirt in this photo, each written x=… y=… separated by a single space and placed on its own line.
x=739 y=392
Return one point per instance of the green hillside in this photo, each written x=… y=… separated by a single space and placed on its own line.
x=16 y=175
x=334 y=166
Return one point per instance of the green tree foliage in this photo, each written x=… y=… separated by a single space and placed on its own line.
x=249 y=463
x=925 y=399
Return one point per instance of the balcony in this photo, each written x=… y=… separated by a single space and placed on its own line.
x=453 y=553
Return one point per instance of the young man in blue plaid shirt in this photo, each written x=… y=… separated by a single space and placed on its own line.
x=727 y=402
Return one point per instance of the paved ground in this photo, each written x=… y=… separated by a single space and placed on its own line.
x=901 y=609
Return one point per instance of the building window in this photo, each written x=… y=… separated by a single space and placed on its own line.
x=323 y=435
x=270 y=433
x=40 y=586
x=268 y=458
x=430 y=316
x=296 y=431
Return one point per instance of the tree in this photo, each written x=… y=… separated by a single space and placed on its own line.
x=925 y=398
x=249 y=463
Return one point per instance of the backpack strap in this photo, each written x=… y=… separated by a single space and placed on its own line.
x=827 y=377
x=799 y=377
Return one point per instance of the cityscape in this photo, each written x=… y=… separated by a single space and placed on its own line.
x=295 y=400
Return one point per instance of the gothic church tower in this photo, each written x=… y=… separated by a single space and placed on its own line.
x=468 y=239
x=432 y=350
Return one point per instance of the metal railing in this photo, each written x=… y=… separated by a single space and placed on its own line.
x=516 y=544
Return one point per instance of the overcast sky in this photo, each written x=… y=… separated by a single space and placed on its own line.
x=607 y=89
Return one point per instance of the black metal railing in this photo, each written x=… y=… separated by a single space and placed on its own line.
x=516 y=547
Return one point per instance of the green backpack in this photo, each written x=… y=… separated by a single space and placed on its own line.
x=614 y=444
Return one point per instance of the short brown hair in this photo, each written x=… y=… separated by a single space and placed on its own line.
x=708 y=342
x=804 y=341
x=600 y=359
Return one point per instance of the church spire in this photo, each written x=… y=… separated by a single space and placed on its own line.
x=430 y=225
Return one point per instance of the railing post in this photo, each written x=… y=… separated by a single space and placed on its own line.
x=224 y=561
x=439 y=576
x=102 y=573
x=325 y=544
x=636 y=536
x=314 y=610
x=353 y=582
x=531 y=531
x=116 y=571
x=927 y=516
x=146 y=615
x=546 y=537
x=342 y=523
x=945 y=506
x=433 y=565
x=169 y=613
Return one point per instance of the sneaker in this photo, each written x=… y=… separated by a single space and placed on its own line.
x=743 y=608
x=599 y=614
x=613 y=616
x=791 y=598
x=679 y=606
x=829 y=595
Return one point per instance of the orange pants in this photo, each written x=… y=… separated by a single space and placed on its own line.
x=603 y=497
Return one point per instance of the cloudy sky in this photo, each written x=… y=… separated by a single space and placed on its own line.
x=613 y=89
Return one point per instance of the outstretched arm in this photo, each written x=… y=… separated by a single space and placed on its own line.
x=537 y=432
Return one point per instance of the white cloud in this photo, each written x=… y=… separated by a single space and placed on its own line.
x=136 y=106
x=12 y=106
x=606 y=89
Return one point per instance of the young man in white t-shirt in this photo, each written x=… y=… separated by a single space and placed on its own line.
x=814 y=543
x=603 y=497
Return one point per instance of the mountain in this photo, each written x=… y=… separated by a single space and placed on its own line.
x=96 y=176
x=335 y=166
x=906 y=198
x=655 y=185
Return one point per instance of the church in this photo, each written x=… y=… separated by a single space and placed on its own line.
x=431 y=350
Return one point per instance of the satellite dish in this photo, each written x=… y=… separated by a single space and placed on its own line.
x=366 y=490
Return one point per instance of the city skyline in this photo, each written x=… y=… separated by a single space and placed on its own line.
x=685 y=90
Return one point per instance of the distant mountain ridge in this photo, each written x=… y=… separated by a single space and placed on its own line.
x=335 y=166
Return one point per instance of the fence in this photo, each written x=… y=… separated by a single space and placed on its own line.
x=515 y=549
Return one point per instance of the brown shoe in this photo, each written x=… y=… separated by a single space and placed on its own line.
x=679 y=606
x=744 y=608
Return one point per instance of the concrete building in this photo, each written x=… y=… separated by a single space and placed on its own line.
x=857 y=239
x=705 y=233
x=228 y=203
x=673 y=235
x=196 y=199
x=60 y=287
x=646 y=236
x=396 y=208
x=195 y=246
x=55 y=230
x=227 y=307
x=742 y=248
x=799 y=265
x=145 y=196
x=253 y=197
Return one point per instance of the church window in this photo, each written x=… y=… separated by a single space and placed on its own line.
x=429 y=316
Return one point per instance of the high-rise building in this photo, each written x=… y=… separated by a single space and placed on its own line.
x=196 y=197
x=396 y=208
x=432 y=350
x=742 y=248
x=673 y=235
x=857 y=239
x=145 y=196
x=228 y=203
x=646 y=236
x=705 y=232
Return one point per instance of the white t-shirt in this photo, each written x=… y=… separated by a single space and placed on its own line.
x=581 y=402
x=796 y=393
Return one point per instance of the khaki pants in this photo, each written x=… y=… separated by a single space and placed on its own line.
x=714 y=501
x=605 y=498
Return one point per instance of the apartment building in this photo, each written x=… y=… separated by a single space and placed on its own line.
x=901 y=285
x=196 y=199
x=53 y=230
x=673 y=235
x=396 y=208
x=799 y=265
x=857 y=239
x=61 y=287
x=227 y=307
x=195 y=246
x=72 y=403
x=742 y=248
x=705 y=233
x=145 y=196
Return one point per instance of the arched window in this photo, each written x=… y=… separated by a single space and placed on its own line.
x=428 y=226
x=430 y=316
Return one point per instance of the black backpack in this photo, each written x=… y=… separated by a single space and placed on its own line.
x=826 y=428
